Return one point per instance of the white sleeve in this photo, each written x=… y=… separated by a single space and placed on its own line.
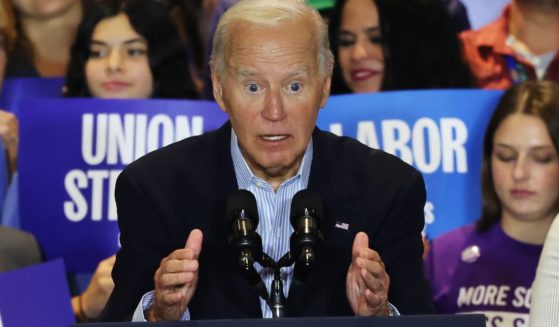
x=145 y=303
x=544 y=310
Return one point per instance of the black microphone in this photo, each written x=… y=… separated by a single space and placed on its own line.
x=245 y=243
x=306 y=212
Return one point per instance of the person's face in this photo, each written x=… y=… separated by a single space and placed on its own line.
x=271 y=88
x=41 y=9
x=360 y=50
x=118 y=65
x=525 y=169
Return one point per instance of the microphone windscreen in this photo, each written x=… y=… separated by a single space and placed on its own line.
x=241 y=200
x=305 y=200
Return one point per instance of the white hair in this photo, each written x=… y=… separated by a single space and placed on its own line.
x=271 y=13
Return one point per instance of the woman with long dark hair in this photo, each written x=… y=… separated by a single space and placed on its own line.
x=128 y=49
x=394 y=45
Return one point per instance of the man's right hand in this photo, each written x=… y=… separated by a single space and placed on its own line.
x=175 y=280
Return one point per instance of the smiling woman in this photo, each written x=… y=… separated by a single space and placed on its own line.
x=394 y=45
x=128 y=49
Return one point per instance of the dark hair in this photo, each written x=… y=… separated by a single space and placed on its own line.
x=421 y=48
x=7 y=24
x=536 y=98
x=187 y=15
x=166 y=54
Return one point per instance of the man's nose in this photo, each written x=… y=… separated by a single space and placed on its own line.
x=274 y=107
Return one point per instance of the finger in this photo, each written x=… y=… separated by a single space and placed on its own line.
x=174 y=266
x=375 y=267
x=174 y=280
x=361 y=241
x=170 y=297
x=371 y=282
x=373 y=300
x=194 y=242
x=369 y=254
x=182 y=254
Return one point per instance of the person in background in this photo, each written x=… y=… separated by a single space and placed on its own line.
x=18 y=249
x=520 y=45
x=46 y=30
x=394 y=45
x=128 y=49
x=193 y=17
x=544 y=311
x=124 y=49
x=9 y=126
x=489 y=266
x=271 y=71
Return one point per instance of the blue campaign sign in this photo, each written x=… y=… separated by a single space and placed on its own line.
x=72 y=150
x=438 y=132
x=14 y=90
x=36 y=296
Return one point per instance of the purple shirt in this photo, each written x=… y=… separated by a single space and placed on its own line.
x=488 y=273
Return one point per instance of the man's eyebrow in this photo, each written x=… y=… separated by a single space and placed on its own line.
x=303 y=71
x=243 y=72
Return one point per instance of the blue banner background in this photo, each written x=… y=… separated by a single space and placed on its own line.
x=36 y=296
x=454 y=196
x=51 y=147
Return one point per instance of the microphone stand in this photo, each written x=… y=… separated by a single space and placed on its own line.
x=276 y=299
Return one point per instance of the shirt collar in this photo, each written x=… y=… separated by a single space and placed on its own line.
x=245 y=175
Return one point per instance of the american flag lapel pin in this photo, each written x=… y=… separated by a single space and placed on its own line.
x=342 y=225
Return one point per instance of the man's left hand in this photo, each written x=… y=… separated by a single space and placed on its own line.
x=367 y=281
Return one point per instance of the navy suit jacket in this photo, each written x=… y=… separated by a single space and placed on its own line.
x=167 y=193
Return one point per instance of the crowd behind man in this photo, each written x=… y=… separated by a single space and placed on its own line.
x=378 y=45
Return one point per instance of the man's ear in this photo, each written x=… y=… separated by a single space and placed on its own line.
x=217 y=87
x=326 y=90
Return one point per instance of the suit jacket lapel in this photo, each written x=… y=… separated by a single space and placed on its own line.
x=335 y=185
x=222 y=270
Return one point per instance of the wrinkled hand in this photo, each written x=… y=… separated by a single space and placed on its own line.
x=176 y=279
x=9 y=132
x=367 y=281
x=99 y=289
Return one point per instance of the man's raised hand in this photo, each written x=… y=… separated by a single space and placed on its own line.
x=176 y=279
x=367 y=281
